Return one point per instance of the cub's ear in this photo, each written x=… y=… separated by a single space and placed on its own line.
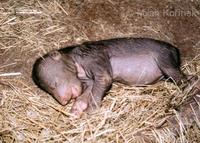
x=55 y=55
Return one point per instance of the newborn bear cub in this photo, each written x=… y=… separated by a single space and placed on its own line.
x=85 y=72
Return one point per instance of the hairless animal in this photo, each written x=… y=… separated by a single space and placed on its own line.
x=86 y=72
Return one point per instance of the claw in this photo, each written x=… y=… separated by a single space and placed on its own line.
x=78 y=108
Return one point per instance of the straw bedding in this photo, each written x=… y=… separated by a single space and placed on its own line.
x=29 y=29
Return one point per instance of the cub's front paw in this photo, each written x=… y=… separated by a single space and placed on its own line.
x=78 y=108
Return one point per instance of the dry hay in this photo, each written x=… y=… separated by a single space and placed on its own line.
x=28 y=29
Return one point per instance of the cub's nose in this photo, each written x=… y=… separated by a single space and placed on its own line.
x=62 y=95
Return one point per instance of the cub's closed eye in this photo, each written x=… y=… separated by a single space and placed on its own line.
x=56 y=84
x=52 y=88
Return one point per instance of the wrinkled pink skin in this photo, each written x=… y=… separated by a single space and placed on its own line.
x=130 y=75
x=128 y=65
